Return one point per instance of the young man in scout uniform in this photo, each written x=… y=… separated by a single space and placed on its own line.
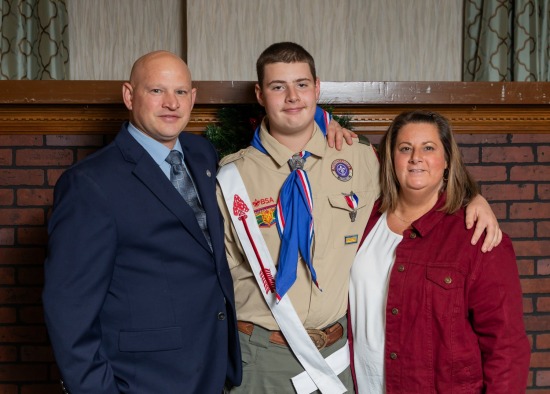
x=293 y=211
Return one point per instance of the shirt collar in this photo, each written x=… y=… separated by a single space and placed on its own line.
x=281 y=154
x=156 y=150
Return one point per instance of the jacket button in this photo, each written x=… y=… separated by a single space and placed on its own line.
x=401 y=268
x=221 y=316
x=394 y=311
x=393 y=356
x=412 y=235
x=448 y=280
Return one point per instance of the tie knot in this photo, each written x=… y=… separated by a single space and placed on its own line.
x=174 y=158
x=297 y=161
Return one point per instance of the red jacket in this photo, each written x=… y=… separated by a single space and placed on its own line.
x=454 y=318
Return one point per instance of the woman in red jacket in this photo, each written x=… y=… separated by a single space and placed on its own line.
x=431 y=313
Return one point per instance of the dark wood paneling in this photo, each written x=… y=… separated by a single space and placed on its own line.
x=96 y=106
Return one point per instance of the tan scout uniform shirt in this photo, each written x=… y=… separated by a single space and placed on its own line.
x=336 y=236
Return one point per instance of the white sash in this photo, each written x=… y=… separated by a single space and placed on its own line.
x=320 y=372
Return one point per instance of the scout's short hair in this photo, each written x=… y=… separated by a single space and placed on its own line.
x=284 y=52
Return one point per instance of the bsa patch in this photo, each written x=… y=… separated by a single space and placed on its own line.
x=265 y=216
x=351 y=239
x=342 y=170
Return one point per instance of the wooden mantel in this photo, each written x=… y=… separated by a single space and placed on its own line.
x=76 y=107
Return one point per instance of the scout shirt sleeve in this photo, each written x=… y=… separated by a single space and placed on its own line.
x=78 y=271
x=496 y=314
x=372 y=163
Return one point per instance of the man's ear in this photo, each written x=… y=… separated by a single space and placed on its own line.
x=127 y=94
x=193 y=97
x=259 y=94
x=317 y=89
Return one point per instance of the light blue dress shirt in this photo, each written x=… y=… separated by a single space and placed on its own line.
x=159 y=152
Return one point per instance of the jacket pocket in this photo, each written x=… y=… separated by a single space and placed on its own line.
x=468 y=375
x=152 y=340
x=446 y=287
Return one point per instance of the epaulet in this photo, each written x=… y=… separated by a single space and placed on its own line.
x=233 y=157
x=363 y=139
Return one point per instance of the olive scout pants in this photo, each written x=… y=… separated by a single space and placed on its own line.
x=268 y=367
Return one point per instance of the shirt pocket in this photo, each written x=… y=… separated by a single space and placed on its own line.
x=342 y=230
x=445 y=288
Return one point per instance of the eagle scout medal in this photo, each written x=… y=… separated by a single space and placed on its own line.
x=353 y=201
x=342 y=170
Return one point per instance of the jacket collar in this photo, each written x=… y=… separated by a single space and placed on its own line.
x=422 y=226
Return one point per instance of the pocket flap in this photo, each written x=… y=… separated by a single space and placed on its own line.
x=447 y=278
x=339 y=201
x=151 y=340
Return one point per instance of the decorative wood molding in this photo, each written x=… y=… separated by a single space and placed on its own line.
x=89 y=107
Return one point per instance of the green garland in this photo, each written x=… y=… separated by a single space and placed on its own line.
x=236 y=125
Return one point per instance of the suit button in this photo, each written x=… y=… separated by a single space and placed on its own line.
x=393 y=356
x=412 y=235
x=401 y=268
x=221 y=316
x=394 y=311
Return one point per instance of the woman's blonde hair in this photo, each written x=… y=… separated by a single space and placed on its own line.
x=457 y=181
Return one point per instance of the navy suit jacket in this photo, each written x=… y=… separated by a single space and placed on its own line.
x=134 y=300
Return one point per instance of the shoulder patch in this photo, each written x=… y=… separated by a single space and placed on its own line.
x=363 y=140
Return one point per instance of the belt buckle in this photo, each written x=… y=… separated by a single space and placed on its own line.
x=319 y=337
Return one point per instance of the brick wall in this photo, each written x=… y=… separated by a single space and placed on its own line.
x=513 y=170
x=29 y=167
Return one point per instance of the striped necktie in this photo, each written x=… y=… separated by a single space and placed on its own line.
x=182 y=181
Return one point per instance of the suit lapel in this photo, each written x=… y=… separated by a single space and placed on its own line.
x=152 y=177
x=205 y=181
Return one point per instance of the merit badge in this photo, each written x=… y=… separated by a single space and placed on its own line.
x=264 y=209
x=353 y=202
x=265 y=216
x=342 y=170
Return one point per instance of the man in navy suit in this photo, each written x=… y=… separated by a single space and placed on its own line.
x=136 y=298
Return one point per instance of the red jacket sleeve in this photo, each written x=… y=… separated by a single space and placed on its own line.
x=495 y=305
